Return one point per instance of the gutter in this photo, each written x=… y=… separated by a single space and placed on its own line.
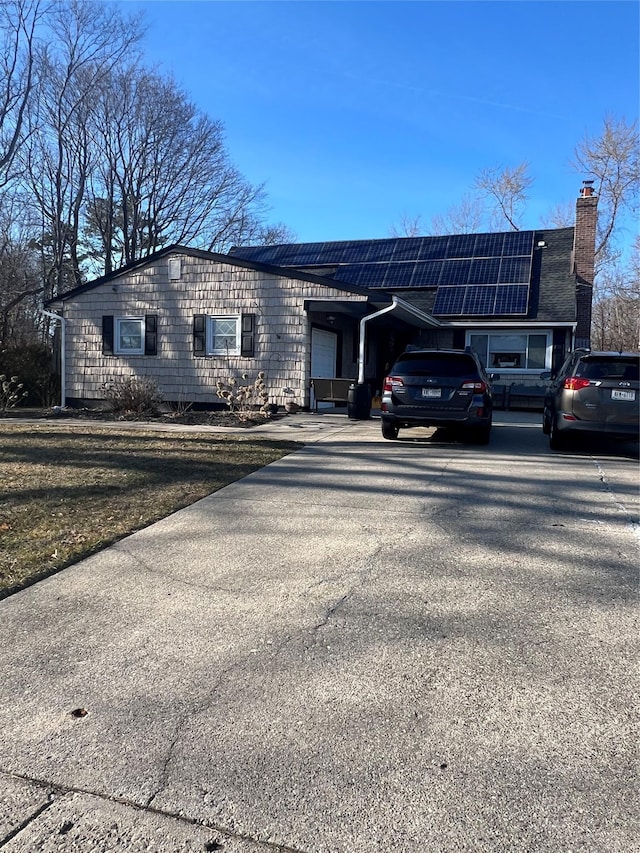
x=63 y=359
x=397 y=304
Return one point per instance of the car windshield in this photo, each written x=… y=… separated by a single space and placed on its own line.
x=435 y=365
x=608 y=368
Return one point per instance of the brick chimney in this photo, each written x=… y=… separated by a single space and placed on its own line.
x=584 y=246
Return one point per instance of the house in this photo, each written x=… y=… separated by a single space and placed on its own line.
x=185 y=317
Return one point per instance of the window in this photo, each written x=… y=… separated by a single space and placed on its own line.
x=224 y=335
x=512 y=351
x=129 y=336
x=227 y=334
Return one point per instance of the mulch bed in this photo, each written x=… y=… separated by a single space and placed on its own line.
x=221 y=418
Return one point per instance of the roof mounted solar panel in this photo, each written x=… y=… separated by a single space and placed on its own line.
x=449 y=300
x=479 y=299
x=461 y=246
x=488 y=245
x=484 y=271
x=512 y=299
x=399 y=275
x=434 y=248
x=407 y=249
x=515 y=270
x=455 y=271
x=372 y=275
x=518 y=243
x=427 y=273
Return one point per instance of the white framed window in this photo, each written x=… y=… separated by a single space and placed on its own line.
x=515 y=350
x=223 y=335
x=129 y=335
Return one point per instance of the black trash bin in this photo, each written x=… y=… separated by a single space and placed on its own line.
x=359 y=402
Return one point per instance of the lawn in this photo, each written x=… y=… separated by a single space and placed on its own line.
x=66 y=492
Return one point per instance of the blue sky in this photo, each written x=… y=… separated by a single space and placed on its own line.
x=356 y=113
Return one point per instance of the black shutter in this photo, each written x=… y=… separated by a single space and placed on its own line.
x=107 y=334
x=199 y=334
x=151 y=334
x=247 y=341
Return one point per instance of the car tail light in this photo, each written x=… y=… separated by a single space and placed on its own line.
x=575 y=383
x=474 y=386
x=391 y=382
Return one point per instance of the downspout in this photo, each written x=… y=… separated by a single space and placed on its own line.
x=63 y=360
x=361 y=347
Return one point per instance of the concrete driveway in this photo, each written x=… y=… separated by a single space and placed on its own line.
x=368 y=645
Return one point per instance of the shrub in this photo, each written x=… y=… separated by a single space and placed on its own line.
x=245 y=399
x=11 y=392
x=33 y=364
x=138 y=395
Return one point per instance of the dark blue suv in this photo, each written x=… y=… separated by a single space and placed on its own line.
x=440 y=388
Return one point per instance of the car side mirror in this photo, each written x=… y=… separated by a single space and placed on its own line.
x=494 y=376
x=547 y=375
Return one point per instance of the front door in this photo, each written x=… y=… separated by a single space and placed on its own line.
x=324 y=357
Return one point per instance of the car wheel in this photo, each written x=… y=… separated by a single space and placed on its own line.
x=557 y=441
x=389 y=431
x=546 y=421
x=482 y=435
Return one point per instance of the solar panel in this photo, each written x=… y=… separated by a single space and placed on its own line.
x=479 y=299
x=434 y=247
x=372 y=275
x=518 y=243
x=476 y=274
x=449 y=300
x=427 y=273
x=484 y=271
x=355 y=253
x=407 y=249
x=514 y=270
x=489 y=245
x=461 y=246
x=455 y=272
x=399 y=275
x=512 y=299
x=382 y=250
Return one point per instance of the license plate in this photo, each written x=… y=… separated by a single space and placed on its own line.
x=432 y=392
x=623 y=395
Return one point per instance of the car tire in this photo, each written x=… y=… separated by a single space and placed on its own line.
x=557 y=441
x=481 y=435
x=389 y=431
x=546 y=421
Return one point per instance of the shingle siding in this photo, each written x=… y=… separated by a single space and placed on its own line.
x=282 y=339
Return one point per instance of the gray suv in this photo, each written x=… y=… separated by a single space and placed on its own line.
x=595 y=393
x=441 y=388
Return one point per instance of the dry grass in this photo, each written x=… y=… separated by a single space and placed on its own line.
x=68 y=492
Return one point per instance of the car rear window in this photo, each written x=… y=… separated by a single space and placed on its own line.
x=435 y=365
x=608 y=368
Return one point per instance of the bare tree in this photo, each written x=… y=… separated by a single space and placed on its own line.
x=409 y=226
x=463 y=218
x=87 y=41
x=506 y=189
x=616 y=308
x=19 y=20
x=163 y=175
x=563 y=215
x=612 y=160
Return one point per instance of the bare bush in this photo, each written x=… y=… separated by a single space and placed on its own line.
x=136 y=394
